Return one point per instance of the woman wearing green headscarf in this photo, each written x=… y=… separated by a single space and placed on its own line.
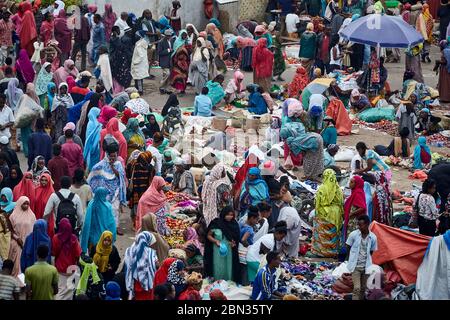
x=134 y=136
x=329 y=202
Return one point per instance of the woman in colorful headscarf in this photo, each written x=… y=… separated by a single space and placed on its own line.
x=199 y=68
x=261 y=32
x=216 y=193
x=425 y=25
x=37 y=238
x=141 y=263
x=221 y=259
x=254 y=190
x=63 y=35
x=112 y=128
x=25 y=188
x=140 y=173
x=59 y=109
x=24 y=69
x=66 y=250
x=154 y=201
x=106 y=256
x=47 y=29
x=109 y=18
x=235 y=89
x=212 y=30
x=27 y=33
x=96 y=101
x=164 y=24
x=149 y=223
x=51 y=93
x=262 y=63
x=43 y=193
x=44 y=78
x=38 y=168
x=216 y=92
x=355 y=206
x=444 y=71
x=299 y=83
x=329 y=203
x=176 y=276
x=422 y=154
x=68 y=69
x=13 y=94
x=91 y=152
x=22 y=221
x=181 y=62
x=6 y=201
x=134 y=136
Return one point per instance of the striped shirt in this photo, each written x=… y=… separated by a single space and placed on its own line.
x=8 y=286
x=264 y=284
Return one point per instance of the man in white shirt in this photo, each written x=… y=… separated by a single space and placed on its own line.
x=54 y=201
x=291 y=24
x=157 y=157
x=122 y=23
x=6 y=117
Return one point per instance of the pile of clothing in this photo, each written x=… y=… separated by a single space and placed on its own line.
x=309 y=280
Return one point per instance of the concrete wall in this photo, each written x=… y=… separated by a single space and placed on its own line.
x=191 y=10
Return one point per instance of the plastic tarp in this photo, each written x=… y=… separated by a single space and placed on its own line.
x=372 y=115
x=402 y=250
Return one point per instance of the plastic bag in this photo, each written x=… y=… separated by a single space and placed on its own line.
x=340 y=270
x=377 y=114
x=27 y=111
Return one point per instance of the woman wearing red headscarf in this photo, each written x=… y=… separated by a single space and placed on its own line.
x=112 y=128
x=63 y=35
x=43 y=193
x=47 y=29
x=163 y=272
x=355 y=205
x=109 y=18
x=262 y=64
x=25 y=188
x=28 y=33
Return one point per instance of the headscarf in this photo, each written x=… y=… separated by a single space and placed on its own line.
x=91 y=152
x=94 y=101
x=326 y=206
x=132 y=129
x=151 y=201
x=295 y=108
x=12 y=183
x=216 y=22
x=109 y=18
x=44 y=78
x=63 y=72
x=421 y=144
x=106 y=114
x=65 y=235
x=126 y=115
x=13 y=93
x=112 y=128
x=173 y=275
x=35 y=169
x=9 y=204
x=164 y=24
x=42 y=196
x=28 y=32
x=31 y=92
x=356 y=199
x=25 y=188
x=151 y=129
x=140 y=262
x=179 y=42
x=23 y=64
x=172 y=101
x=310 y=27
x=99 y=217
x=209 y=191
x=258 y=187
x=297 y=138
x=262 y=59
x=102 y=252
x=238 y=75
x=299 y=82
x=61 y=6
x=113 y=291
x=50 y=94
x=161 y=246
x=163 y=271
x=65 y=100
x=355 y=93
x=37 y=238
x=260 y=29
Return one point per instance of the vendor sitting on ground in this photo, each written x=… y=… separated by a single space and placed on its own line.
x=329 y=133
x=316 y=111
x=194 y=261
x=427 y=124
x=422 y=155
x=203 y=104
x=183 y=181
x=399 y=146
x=358 y=101
x=265 y=281
x=235 y=89
x=328 y=157
x=374 y=163
x=256 y=102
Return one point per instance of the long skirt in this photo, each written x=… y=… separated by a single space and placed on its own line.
x=444 y=84
x=264 y=83
x=15 y=252
x=325 y=240
x=222 y=266
x=246 y=59
x=313 y=161
x=65 y=292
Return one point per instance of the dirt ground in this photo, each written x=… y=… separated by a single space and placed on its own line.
x=371 y=137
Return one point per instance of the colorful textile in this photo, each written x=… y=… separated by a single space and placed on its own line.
x=262 y=59
x=216 y=92
x=102 y=252
x=24 y=66
x=297 y=138
x=421 y=147
x=299 y=82
x=325 y=241
x=329 y=200
x=112 y=128
x=91 y=152
x=9 y=204
x=152 y=201
x=37 y=238
x=357 y=199
x=254 y=191
x=336 y=110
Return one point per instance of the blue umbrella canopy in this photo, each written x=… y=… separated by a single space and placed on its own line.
x=380 y=30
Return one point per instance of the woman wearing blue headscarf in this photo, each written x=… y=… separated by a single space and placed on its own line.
x=254 y=190
x=74 y=113
x=51 y=92
x=6 y=200
x=99 y=218
x=256 y=102
x=91 y=151
x=422 y=154
x=37 y=238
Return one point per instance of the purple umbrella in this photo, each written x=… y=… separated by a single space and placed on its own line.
x=380 y=30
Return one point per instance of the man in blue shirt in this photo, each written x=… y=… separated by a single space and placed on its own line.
x=203 y=104
x=361 y=244
x=264 y=283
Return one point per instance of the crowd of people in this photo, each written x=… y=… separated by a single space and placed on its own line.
x=95 y=151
